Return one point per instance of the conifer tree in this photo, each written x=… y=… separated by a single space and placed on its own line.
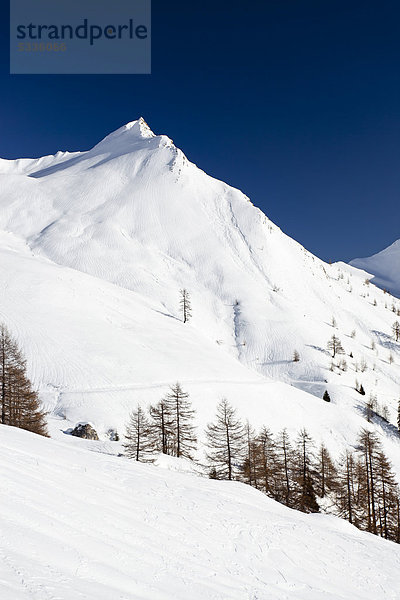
x=19 y=403
x=398 y=416
x=161 y=425
x=305 y=471
x=327 y=472
x=346 y=496
x=387 y=493
x=139 y=445
x=267 y=467
x=368 y=448
x=378 y=490
x=326 y=396
x=182 y=416
x=396 y=330
x=370 y=407
x=226 y=442
x=185 y=304
x=284 y=466
x=250 y=463
x=335 y=346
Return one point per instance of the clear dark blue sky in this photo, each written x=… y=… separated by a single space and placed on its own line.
x=295 y=102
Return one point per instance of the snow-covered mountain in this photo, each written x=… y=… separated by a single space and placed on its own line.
x=80 y=524
x=94 y=248
x=384 y=267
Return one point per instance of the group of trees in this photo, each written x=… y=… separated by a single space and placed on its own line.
x=335 y=345
x=283 y=471
x=368 y=495
x=167 y=427
x=19 y=402
x=359 y=487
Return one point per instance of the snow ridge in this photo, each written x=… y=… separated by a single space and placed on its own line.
x=384 y=267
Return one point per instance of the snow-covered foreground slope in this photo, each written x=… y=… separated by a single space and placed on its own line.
x=81 y=525
x=384 y=266
x=94 y=247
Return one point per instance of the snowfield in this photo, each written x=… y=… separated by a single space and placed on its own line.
x=77 y=524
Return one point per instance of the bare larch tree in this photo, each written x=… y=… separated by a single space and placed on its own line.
x=226 y=442
x=186 y=308
x=139 y=445
x=182 y=416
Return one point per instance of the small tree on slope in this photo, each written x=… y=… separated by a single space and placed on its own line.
x=161 y=425
x=226 y=442
x=139 y=445
x=326 y=396
x=186 y=307
x=396 y=330
x=249 y=466
x=398 y=416
x=284 y=467
x=19 y=403
x=335 y=346
x=182 y=415
x=267 y=465
x=306 y=469
x=327 y=480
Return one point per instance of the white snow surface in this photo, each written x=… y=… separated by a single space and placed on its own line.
x=384 y=267
x=94 y=248
x=77 y=524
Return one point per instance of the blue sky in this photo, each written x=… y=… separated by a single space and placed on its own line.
x=297 y=103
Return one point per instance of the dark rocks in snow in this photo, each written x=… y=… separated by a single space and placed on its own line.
x=113 y=435
x=85 y=431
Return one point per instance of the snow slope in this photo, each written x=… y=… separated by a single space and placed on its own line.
x=384 y=266
x=94 y=247
x=78 y=524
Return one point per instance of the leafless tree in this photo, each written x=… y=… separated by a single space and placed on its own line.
x=186 y=308
x=182 y=416
x=226 y=442
x=139 y=445
x=335 y=346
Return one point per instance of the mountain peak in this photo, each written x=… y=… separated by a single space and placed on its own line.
x=129 y=133
x=138 y=127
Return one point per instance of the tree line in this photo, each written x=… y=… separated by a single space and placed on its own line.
x=360 y=487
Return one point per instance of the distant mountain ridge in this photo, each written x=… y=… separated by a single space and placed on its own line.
x=384 y=266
